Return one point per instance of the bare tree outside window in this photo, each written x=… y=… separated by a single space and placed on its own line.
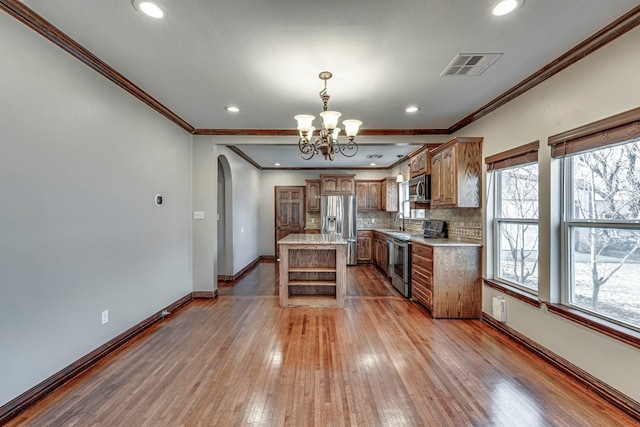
x=606 y=231
x=517 y=223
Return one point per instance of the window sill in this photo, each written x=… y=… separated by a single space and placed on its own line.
x=514 y=292
x=597 y=324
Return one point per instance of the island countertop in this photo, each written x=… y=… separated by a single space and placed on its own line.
x=313 y=239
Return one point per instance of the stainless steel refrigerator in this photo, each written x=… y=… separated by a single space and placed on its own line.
x=338 y=215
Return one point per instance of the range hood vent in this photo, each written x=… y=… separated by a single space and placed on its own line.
x=470 y=64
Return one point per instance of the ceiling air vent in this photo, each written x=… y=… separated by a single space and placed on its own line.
x=470 y=64
x=374 y=156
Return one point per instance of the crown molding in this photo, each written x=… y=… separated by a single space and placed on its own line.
x=625 y=23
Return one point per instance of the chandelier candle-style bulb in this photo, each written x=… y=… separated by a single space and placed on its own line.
x=330 y=119
x=309 y=134
x=351 y=127
x=304 y=122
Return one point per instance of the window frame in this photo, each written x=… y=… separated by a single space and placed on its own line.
x=604 y=133
x=568 y=224
x=403 y=199
x=516 y=157
x=498 y=220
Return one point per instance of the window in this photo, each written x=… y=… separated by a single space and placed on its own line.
x=601 y=225
x=515 y=217
x=404 y=205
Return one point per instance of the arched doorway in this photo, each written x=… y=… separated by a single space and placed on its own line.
x=225 y=220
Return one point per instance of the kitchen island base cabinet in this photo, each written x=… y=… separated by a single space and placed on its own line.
x=312 y=275
x=446 y=280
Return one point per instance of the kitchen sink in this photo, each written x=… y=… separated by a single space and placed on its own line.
x=403 y=235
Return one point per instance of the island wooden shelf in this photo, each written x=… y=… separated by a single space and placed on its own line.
x=312 y=283
x=312 y=270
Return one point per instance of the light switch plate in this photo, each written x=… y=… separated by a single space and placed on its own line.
x=198 y=214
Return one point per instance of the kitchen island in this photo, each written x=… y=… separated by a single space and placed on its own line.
x=312 y=270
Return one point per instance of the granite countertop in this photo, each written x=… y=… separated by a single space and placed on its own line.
x=313 y=239
x=414 y=237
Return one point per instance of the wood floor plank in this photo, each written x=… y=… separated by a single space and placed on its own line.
x=380 y=361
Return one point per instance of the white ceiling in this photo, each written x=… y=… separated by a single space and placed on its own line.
x=265 y=56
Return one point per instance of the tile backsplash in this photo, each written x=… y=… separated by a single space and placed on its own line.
x=375 y=219
x=462 y=223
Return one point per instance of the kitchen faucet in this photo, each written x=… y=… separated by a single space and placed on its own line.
x=396 y=220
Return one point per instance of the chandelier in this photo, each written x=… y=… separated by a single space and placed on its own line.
x=326 y=142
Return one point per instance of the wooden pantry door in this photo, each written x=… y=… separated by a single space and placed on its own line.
x=289 y=212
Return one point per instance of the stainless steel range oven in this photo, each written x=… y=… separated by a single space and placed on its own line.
x=399 y=270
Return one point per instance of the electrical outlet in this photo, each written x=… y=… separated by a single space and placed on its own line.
x=105 y=316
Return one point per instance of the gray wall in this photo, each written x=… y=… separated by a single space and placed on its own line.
x=204 y=230
x=244 y=218
x=605 y=83
x=80 y=164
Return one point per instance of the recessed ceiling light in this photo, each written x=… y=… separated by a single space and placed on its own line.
x=506 y=6
x=411 y=109
x=232 y=109
x=149 y=8
x=276 y=164
x=372 y=164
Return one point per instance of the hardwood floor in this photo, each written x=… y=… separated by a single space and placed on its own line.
x=380 y=361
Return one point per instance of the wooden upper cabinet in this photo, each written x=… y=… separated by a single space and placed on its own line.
x=368 y=195
x=420 y=163
x=313 y=195
x=389 y=194
x=436 y=168
x=337 y=185
x=455 y=174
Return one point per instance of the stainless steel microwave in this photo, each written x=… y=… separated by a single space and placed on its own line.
x=420 y=189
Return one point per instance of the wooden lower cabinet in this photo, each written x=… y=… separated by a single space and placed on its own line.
x=365 y=240
x=380 y=250
x=446 y=280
